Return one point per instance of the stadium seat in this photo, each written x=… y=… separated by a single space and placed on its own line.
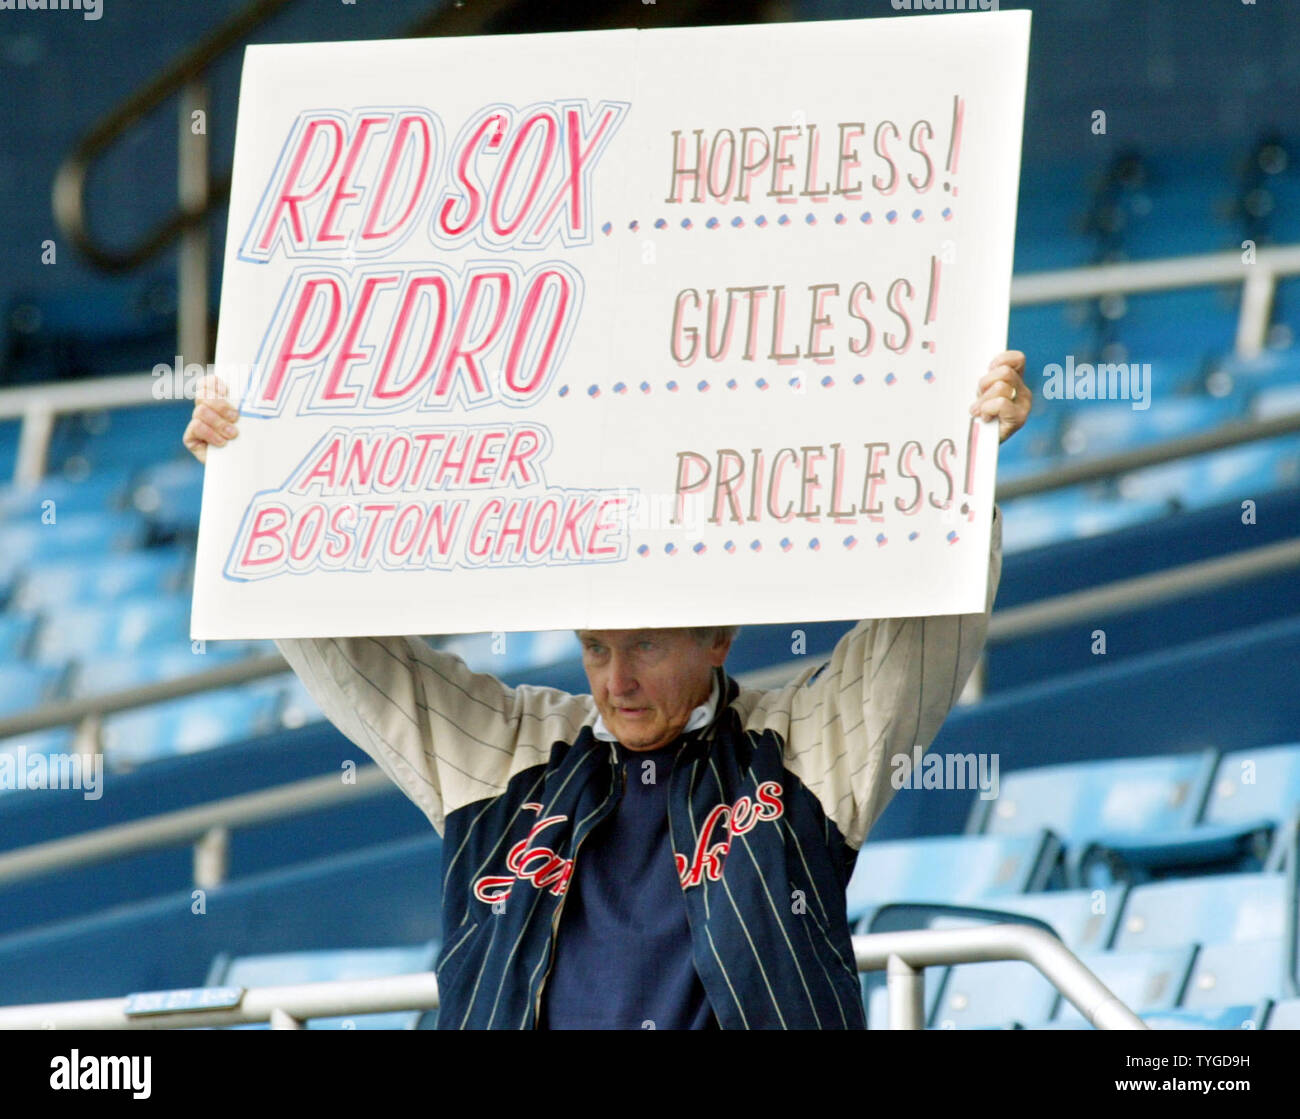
x=24 y=685
x=1255 y=784
x=949 y=868
x=30 y=542
x=1245 y=1017
x=1035 y=910
x=126 y=626
x=54 y=741
x=95 y=580
x=102 y=491
x=111 y=438
x=15 y=632
x=184 y=726
x=511 y=652
x=100 y=675
x=1230 y=475
x=1115 y=801
x=1240 y=972
x=1285 y=1015
x=1106 y=427
x=170 y=494
x=1070 y=514
x=321 y=966
x=998 y=993
x=1217 y=909
x=1143 y=981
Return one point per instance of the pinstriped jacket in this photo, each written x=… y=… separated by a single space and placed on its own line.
x=767 y=807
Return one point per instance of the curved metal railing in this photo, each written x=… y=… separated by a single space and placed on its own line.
x=904 y=955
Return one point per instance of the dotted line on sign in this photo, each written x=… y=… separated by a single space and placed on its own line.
x=891 y=217
x=732 y=547
x=795 y=384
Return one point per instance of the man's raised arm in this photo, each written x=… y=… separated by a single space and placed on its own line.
x=890 y=683
x=447 y=736
x=888 y=686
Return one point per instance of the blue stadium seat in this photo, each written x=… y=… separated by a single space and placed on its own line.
x=94 y=677
x=184 y=726
x=58 y=740
x=170 y=493
x=1069 y=514
x=1240 y=972
x=103 y=491
x=15 y=632
x=131 y=436
x=1009 y=992
x=1086 y=802
x=511 y=652
x=10 y=432
x=383 y=895
x=1232 y=474
x=949 y=868
x=1159 y=324
x=284 y=968
x=1255 y=784
x=1285 y=1015
x=29 y=542
x=1103 y=427
x=1143 y=981
x=1001 y=992
x=1070 y=915
x=298 y=708
x=127 y=626
x=1273 y=367
x=1275 y=400
x=1216 y=909
x=1074 y=916
x=1046 y=332
x=92 y=580
x=1244 y=1017
x=23 y=686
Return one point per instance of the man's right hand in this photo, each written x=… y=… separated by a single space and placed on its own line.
x=214 y=419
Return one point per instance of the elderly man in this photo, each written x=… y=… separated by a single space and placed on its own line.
x=670 y=851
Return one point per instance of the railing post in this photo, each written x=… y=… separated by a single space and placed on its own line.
x=1256 y=310
x=211 y=858
x=282 y=1021
x=906 y=989
x=192 y=257
x=33 y=444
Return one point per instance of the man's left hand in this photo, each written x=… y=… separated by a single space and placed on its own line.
x=1003 y=394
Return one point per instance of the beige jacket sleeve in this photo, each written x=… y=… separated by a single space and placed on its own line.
x=445 y=735
x=888 y=686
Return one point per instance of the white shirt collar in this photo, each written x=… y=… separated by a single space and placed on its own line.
x=702 y=716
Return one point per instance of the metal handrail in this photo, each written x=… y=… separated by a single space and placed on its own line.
x=70 y=180
x=69 y=200
x=1232 y=434
x=1018 y=622
x=284 y=1007
x=1006 y=625
x=186 y=825
x=904 y=954
x=63 y=712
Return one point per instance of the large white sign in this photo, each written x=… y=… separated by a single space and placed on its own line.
x=613 y=329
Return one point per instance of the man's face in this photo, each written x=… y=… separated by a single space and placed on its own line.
x=646 y=682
